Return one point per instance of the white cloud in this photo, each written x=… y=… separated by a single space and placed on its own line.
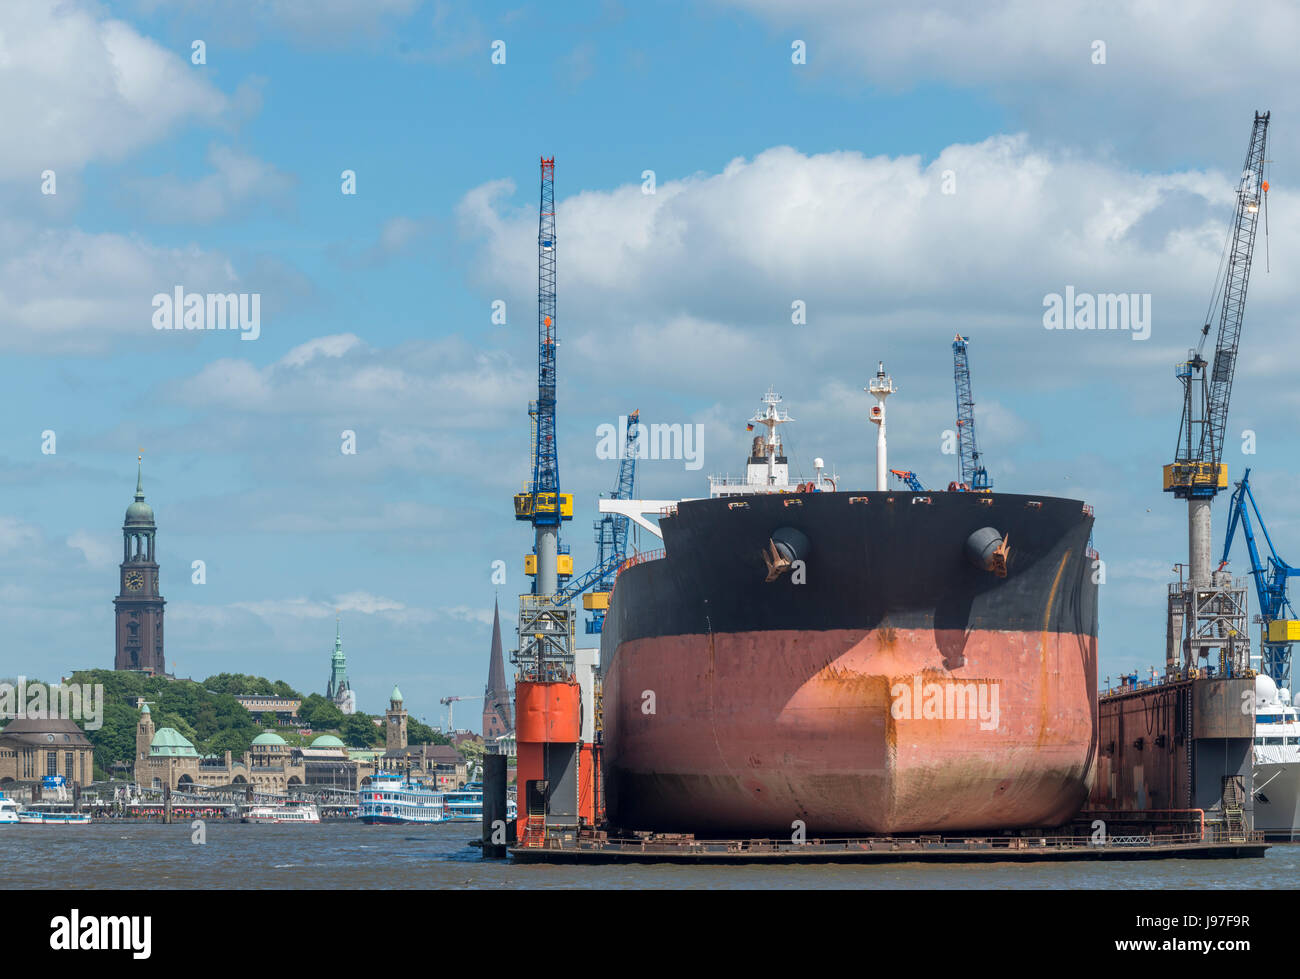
x=72 y=291
x=238 y=182
x=75 y=87
x=1174 y=74
x=98 y=549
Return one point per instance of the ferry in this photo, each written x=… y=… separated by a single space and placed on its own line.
x=307 y=813
x=54 y=818
x=8 y=809
x=393 y=799
x=466 y=805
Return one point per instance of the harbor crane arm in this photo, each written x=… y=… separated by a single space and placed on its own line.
x=973 y=474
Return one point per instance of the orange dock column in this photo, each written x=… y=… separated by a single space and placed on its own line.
x=547 y=732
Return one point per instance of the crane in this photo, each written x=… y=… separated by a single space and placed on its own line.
x=545 y=622
x=1197 y=474
x=973 y=477
x=542 y=504
x=1208 y=612
x=611 y=538
x=450 y=704
x=1279 y=625
x=909 y=477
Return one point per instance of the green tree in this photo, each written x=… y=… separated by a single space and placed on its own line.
x=359 y=731
x=269 y=719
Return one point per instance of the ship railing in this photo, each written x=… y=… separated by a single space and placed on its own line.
x=642 y=558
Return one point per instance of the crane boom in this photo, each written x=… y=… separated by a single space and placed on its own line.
x=1197 y=470
x=1278 y=618
x=973 y=475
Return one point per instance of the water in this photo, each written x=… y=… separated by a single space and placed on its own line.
x=337 y=855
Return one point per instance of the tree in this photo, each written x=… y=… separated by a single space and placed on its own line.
x=269 y=719
x=418 y=732
x=359 y=731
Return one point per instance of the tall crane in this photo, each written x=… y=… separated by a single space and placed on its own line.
x=611 y=538
x=545 y=624
x=1279 y=625
x=1208 y=612
x=1197 y=473
x=450 y=704
x=543 y=505
x=974 y=476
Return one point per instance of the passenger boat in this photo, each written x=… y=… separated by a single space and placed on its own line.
x=391 y=798
x=54 y=818
x=307 y=813
x=8 y=809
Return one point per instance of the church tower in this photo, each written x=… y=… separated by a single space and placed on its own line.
x=338 y=689
x=138 y=605
x=395 y=729
x=498 y=712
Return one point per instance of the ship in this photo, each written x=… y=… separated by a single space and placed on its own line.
x=802 y=658
x=276 y=814
x=1276 y=761
x=392 y=798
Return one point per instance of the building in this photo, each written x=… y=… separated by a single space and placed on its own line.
x=395 y=728
x=338 y=689
x=328 y=763
x=498 y=706
x=285 y=709
x=139 y=606
x=31 y=748
x=437 y=764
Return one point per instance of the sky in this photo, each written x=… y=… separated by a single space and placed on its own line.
x=900 y=173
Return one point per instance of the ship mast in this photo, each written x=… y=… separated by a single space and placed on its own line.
x=771 y=416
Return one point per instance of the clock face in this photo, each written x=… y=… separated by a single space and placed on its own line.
x=134 y=580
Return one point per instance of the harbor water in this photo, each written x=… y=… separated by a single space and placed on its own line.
x=334 y=855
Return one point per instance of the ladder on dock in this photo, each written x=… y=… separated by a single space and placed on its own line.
x=1233 y=801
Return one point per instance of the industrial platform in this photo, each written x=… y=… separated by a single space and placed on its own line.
x=927 y=849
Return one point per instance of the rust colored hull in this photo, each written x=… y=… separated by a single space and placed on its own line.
x=903 y=695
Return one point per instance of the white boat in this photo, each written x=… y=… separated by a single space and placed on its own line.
x=54 y=818
x=306 y=813
x=8 y=809
x=1277 y=761
x=391 y=798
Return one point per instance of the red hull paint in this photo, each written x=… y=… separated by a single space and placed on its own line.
x=753 y=731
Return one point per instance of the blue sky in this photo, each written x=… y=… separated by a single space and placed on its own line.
x=775 y=182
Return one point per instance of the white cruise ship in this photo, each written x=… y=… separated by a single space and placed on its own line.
x=1277 y=761
x=8 y=809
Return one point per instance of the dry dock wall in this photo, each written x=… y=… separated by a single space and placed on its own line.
x=1184 y=744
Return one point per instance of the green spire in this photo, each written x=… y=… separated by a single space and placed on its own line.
x=397 y=694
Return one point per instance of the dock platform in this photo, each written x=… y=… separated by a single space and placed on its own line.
x=923 y=849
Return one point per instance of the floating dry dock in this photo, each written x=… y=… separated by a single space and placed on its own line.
x=927 y=849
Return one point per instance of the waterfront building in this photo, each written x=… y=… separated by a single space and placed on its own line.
x=498 y=705
x=139 y=606
x=32 y=748
x=165 y=757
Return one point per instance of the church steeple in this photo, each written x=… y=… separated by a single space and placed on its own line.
x=139 y=607
x=498 y=712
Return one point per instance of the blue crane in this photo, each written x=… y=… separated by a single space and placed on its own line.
x=611 y=538
x=542 y=504
x=1275 y=609
x=974 y=477
x=909 y=477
